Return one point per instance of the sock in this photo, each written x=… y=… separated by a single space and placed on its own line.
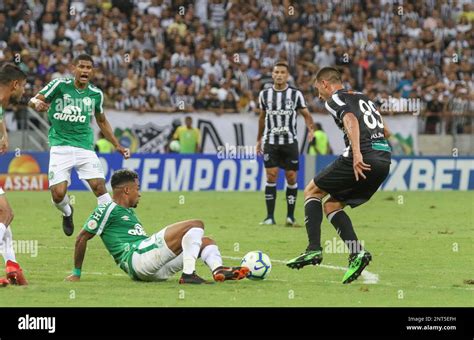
x=64 y=206
x=105 y=198
x=8 y=252
x=3 y=229
x=341 y=221
x=191 y=245
x=313 y=216
x=291 y=192
x=211 y=256
x=270 y=197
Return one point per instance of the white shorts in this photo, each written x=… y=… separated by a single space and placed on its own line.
x=63 y=158
x=1 y=191
x=154 y=261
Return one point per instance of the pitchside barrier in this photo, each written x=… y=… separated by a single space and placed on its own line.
x=173 y=172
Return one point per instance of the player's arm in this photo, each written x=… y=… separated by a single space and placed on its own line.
x=198 y=139
x=4 y=137
x=38 y=103
x=308 y=119
x=261 y=127
x=106 y=129
x=79 y=253
x=351 y=125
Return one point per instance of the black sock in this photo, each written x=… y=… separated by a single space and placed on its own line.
x=341 y=221
x=270 y=197
x=313 y=216
x=291 y=192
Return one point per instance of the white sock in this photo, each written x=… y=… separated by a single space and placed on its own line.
x=64 y=206
x=105 y=198
x=191 y=245
x=2 y=233
x=9 y=253
x=212 y=256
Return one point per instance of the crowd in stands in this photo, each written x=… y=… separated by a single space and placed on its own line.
x=216 y=55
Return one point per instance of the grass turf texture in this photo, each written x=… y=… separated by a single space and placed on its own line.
x=413 y=237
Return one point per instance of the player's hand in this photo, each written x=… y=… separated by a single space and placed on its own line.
x=72 y=278
x=259 y=147
x=360 y=166
x=310 y=135
x=3 y=145
x=124 y=151
x=39 y=105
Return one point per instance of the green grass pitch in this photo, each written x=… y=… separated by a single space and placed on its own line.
x=421 y=244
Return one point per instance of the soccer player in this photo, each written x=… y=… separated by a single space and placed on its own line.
x=188 y=137
x=158 y=257
x=70 y=103
x=278 y=107
x=12 y=87
x=351 y=179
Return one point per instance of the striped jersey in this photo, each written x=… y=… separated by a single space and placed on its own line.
x=70 y=112
x=371 y=129
x=280 y=107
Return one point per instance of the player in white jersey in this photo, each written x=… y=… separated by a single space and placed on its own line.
x=12 y=87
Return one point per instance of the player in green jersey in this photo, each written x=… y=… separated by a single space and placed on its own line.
x=149 y=258
x=12 y=87
x=71 y=102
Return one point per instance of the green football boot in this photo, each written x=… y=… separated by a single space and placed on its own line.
x=357 y=263
x=313 y=257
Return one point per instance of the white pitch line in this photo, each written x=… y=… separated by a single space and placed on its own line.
x=369 y=278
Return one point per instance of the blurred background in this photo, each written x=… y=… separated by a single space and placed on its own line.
x=159 y=61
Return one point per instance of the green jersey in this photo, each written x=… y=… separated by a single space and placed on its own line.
x=71 y=111
x=1 y=114
x=119 y=229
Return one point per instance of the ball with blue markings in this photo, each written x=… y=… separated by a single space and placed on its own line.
x=259 y=264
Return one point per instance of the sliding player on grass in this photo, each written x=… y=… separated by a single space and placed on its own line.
x=71 y=102
x=12 y=87
x=351 y=179
x=158 y=257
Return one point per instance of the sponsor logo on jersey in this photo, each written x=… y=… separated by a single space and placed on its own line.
x=70 y=114
x=280 y=112
x=125 y=218
x=137 y=230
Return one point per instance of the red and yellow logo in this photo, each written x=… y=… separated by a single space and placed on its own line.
x=24 y=173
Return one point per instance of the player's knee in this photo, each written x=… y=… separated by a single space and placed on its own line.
x=98 y=187
x=310 y=190
x=329 y=207
x=196 y=224
x=57 y=196
x=207 y=241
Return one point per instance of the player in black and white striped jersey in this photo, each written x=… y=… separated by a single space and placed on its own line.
x=277 y=139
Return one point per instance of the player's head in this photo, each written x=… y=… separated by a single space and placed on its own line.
x=126 y=187
x=280 y=73
x=14 y=79
x=83 y=66
x=327 y=79
x=188 y=121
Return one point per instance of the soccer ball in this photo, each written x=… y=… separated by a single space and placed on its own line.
x=174 y=146
x=258 y=263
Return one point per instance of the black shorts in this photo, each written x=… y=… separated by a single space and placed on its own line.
x=338 y=180
x=284 y=156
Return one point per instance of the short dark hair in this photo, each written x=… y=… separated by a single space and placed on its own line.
x=282 y=63
x=83 y=56
x=10 y=72
x=123 y=176
x=329 y=74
